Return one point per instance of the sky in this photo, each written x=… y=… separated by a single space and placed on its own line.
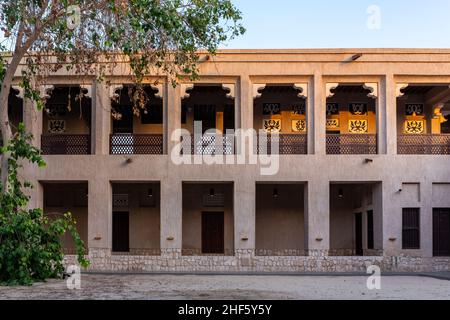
x=344 y=24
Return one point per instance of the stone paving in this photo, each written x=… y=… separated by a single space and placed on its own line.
x=245 y=287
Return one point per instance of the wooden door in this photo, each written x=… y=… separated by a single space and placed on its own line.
x=441 y=232
x=358 y=234
x=121 y=232
x=213 y=233
x=370 y=231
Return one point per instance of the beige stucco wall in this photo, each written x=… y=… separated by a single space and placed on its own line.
x=316 y=68
x=342 y=225
x=144 y=220
x=357 y=198
x=280 y=221
x=60 y=198
x=193 y=209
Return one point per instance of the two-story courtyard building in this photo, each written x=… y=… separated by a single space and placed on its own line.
x=362 y=175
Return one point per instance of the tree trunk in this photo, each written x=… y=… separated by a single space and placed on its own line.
x=5 y=128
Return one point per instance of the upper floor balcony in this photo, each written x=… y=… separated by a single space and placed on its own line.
x=281 y=112
x=137 y=121
x=208 y=120
x=351 y=121
x=423 y=112
x=66 y=122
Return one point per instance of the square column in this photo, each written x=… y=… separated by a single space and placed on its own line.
x=172 y=115
x=317 y=114
x=426 y=218
x=171 y=214
x=244 y=214
x=100 y=214
x=388 y=99
x=36 y=196
x=317 y=216
x=101 y=118
x=392 y=216
x=32 y=119
x=378 y=207
x=246 y=103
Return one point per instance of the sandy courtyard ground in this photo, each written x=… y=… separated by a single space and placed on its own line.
x=247 y=287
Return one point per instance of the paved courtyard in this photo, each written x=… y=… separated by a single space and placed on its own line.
x=150 y=287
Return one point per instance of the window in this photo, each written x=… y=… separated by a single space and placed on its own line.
x=411 y=228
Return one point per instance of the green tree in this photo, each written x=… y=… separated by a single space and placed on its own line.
x=90 y=38
x=30 y=246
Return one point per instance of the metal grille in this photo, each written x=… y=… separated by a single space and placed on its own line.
x=216 y=201
x=288 y=144
x=351 y=143
x=120 y=200
x=66 y=144
x=136 y=144
x=411 y=228
x=432 y=144
x=208 y=145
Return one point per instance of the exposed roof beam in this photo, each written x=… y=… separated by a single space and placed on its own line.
x=438 y=95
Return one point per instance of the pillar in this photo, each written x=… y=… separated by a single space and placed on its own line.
x=101 y=118
x=377 y=201
x=426 y=218
x=32 y=119
x=389 y=99
x=172 y=116
x=392 y=215
x=244 y=214
x=36 y=195
x=317 y=112
x=100 y=214
x=171 y=213
x=317 y=216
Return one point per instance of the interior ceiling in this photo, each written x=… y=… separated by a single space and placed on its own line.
x=351 y=89
x=208 y=89
x=417 y=89
x=278 y=89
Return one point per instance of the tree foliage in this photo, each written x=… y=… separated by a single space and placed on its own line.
x=85 y=37
x=30 y=245
x=88 y=39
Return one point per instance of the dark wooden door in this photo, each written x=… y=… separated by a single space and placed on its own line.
x=370 y=232
x=213 y=233
x=121 y=232
x=358 y=234
x=441 y=232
